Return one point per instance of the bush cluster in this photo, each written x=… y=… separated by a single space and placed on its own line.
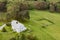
x=52 y=7
x=17 y=11
x=34 y=5
x=55 y=7
x=23 y=6
x=22 y=15
x=41 y=5
x=3 y=7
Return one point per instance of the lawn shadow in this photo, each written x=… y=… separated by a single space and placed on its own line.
x=45 y=22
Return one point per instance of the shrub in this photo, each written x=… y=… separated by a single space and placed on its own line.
x=41 y=5
x=31 y=6
x=11 y=10
x=22 y=15
x=17 y=11
x=58 y=6
x=3 y=7
x=23 y=6
x=8 y=17
x=52 y=7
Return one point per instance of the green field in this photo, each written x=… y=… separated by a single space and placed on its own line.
x=50 y=32
x=44 y=24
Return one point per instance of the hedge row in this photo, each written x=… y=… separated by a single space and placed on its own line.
x=29 y=5
x=42 y=5
x=34 y=5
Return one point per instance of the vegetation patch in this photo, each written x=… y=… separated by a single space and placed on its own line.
x=3 y=7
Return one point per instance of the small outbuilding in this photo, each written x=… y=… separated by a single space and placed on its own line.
x=17 y=26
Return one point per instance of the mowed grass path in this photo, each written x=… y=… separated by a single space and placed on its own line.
x=51 y=32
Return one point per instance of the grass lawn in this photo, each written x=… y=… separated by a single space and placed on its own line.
x=52 y=31
x=41 y=24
